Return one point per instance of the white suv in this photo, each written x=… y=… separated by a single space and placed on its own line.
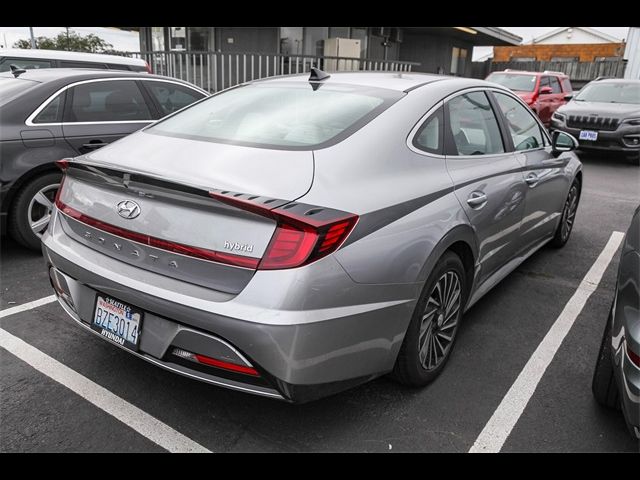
x=34 y=58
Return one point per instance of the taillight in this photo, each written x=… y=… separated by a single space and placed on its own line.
x=633 y=356
x=62 y=165
x=213 y=362
x=303 y=234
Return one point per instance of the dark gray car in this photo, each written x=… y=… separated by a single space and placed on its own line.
x=49 y=114
x=616 y=380
x=604 y=116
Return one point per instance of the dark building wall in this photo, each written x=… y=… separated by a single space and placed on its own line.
x=376 y=48
x=433 y=51
x=248 y=39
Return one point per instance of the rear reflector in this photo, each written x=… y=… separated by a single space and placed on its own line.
x=302 y=236
x=197 y=252
x=633 y=356
x=212 y=362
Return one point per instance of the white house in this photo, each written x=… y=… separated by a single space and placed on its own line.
x=574 y=35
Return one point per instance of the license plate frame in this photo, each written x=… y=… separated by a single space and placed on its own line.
x=117 y=321
x=589 y=135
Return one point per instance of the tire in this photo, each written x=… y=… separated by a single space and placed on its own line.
x=635 y=159
x=412 y=367
x=567 y=219
x=28 y=206
x=604 y=386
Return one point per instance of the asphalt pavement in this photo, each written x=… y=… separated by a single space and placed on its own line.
x=497 y=338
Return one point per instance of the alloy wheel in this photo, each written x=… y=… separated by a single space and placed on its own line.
x=569 y=212
x=40 y=208
x=439 y=320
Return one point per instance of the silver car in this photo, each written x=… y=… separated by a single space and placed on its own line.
x=296 y=236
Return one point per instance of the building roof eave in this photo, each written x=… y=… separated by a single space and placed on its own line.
x=500 y=34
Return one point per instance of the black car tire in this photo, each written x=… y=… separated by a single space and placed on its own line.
x=561 y=237
x=408 y=369
x=18 y=225
x=604 y=386
x=634 y=159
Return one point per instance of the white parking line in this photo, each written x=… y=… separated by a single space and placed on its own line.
x=499 y=426
x=143 y=423
x=27 y=306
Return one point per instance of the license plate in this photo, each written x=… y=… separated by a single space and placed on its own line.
x=117 y=321
x=588 y=135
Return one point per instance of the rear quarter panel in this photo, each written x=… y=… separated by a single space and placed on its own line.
x=405 y=199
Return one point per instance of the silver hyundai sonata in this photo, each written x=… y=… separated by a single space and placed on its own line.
x=296 y=236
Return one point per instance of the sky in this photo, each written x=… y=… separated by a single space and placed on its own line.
x=120 y=39
x=529 y=33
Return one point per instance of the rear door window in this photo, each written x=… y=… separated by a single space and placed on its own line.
x=544 y=82
x=473 y=127
x=555 y=85
x=566 y=85
x=107 y=101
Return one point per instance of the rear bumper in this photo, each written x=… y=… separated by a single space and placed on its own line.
x=301 y=354
x=621 y=140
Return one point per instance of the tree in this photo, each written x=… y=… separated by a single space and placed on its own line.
x=71 y=41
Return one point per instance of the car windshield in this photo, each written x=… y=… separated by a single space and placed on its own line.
x=284 y=115
x=11 y=87
x=514 y=81
x=610 y=93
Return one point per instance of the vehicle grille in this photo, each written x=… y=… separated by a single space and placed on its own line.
x=592 y=123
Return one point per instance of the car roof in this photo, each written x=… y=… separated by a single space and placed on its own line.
x=618 y=80
x=43 y=75
x=399 y=81
x=525 y=72
x=64 y=55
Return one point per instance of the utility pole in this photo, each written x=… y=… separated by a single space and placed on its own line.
x=67 y=28
x=33 y=39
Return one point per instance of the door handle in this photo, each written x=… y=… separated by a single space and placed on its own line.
x=477 y=200
x=94 y=145
x=532 y=179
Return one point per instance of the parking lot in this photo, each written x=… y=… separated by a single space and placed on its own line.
x=497 y=339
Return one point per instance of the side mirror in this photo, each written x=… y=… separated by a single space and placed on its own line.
x=545 y=90
x=563 y=142
x=568 y=96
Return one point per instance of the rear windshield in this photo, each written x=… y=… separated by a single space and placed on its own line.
x=610 y=93
x=12 y=87
x=514 y=81
x=286 y=116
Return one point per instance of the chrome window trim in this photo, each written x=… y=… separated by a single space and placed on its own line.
x=29 y=121
x=425 y=117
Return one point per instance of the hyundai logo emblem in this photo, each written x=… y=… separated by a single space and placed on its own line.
x=128 y=209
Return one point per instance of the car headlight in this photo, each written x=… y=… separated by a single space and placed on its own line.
x=559 y=116
x=632 y=121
